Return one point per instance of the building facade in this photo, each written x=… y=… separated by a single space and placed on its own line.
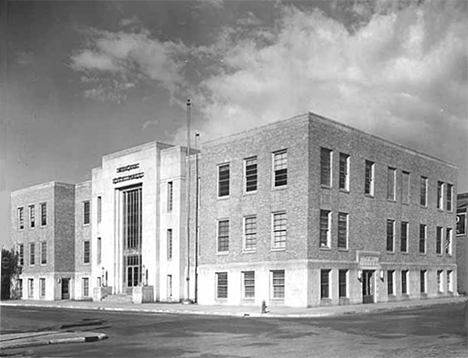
x=302 y=212
x=308 y=212
x=462 y=243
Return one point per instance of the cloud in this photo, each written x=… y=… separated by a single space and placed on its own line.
x=401 y=72
x=130 y=21
x=150 y=123
x=130 y=56
x=25 y=58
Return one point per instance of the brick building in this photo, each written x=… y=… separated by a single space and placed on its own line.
x=301 y=212
x=462 y=243
x=308 y=212
x=42 y=229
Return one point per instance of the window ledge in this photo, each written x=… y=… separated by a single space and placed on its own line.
x=343 y=249
x=327 y=187
x=249 y=251
x=248 y=193
x=226 y=197
x=278 y=249
x=344 y=191
x=370 y=196
x=282 y=187
x=222 y=253
x=391 y=200
x=390 y=252
x=325 y=248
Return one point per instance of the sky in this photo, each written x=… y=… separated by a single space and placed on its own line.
x=81 y=79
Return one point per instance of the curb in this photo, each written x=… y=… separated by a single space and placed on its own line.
x=94 y=338
x=331 y=313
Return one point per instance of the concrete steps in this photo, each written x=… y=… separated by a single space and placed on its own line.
x=118 y=298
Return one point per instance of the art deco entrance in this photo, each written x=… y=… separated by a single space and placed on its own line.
x=368 y=288
x=132 y=231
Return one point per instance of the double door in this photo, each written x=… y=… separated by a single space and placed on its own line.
x=368 y=286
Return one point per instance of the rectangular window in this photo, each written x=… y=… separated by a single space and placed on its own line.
x=280 y=168
x=99 y=209
x=21 y=254
x=279 y=230
x=404 y=237
x=42 y=286
x=422 y=281
x=449 y=195
x=422 y=238
x=223 y=235
x=324 y=284
x=169 y=244
x=249 y=284
x=440 y=195
x=391 y=183
x=278 y=283
x=31 y=287
x=85 y=287
x=170 y=195
x=221 y=285
x=390 y=235
x=43 y=253
x=449 y=281
x=404 y=282
x=85 y=212
x=390 y=275
x=32 y=216
x=344 y=171
x=342 y=283
x=325 y=167
x=223 y=180
x=99 y=248
x=21 y=218
x=325 y=219
x=86 y=252
x=250 y=233
x=43 y=214
x=439 y=240
x=440 y=284
x=369 y=178
x=423 y=193
x=342 y=230
x=250 y=167
x=448 y=241
x=32 y=253
x=405 y=188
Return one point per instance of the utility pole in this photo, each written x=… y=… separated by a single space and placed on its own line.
x=187 y=299
x=197 y=191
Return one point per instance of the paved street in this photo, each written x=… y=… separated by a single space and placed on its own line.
x=433 y=331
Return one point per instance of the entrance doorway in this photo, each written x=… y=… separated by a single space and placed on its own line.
x=169 y=287
x=65 y=288
x=368 y=286
x=132 y=272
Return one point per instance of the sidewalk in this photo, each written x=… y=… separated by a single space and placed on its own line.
x=237 y=311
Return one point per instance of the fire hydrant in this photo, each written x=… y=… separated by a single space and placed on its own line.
x=264 y=307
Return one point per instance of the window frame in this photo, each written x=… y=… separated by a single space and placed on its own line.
x=423 y=281
x=340 y=230
x=30 y=287
x=225 y=287
x=391 y=282
x=282 y=171
x=369 y=178
x=449 y=278
x=20 y=217
x=32 y=254
x=325 y=284
x=43 y=207
x=343 y=285
x=32 y=216
x=224 y=237
x=99 y=209
x=327 y=233
x=422 y=238
x=170 y=196
x=440 y=195
x=224 y=183
x=43 y=252
x=250 y=178
x=86 y=252
x=42 y=287
x=449 y=197
x=404 y=282
x=278 y=285
x=440 y=282
x=423 y=191
x=169 y=236
x=326 y=167
x=86 y=212
x=391 y=184
x=439 y=239
x=390 y=236
x=449 y=241
x=344 y=172
x=21 y=254
x=248 y=285
x=279 y=230
x=404 y=228
x=250 y=236
x=85 y=285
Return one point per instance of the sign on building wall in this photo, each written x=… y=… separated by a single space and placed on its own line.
x=127 y=168
x=461 y=222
